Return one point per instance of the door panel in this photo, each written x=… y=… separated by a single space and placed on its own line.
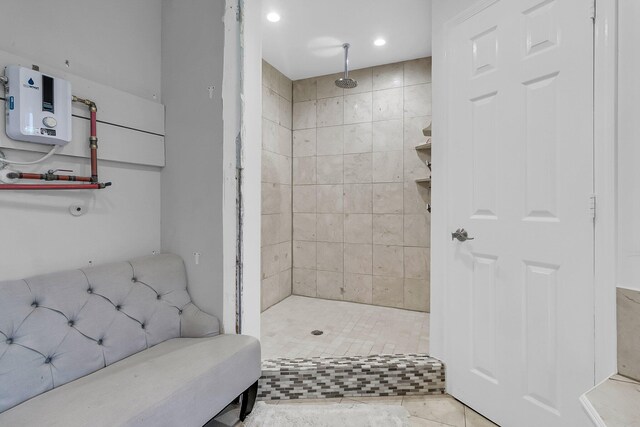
x=520 y=175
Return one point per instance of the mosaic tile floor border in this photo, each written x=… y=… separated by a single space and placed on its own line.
x=351 y=376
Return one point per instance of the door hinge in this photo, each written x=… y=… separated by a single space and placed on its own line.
x=592 y=206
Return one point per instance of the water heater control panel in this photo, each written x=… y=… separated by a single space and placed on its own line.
x=38 y=107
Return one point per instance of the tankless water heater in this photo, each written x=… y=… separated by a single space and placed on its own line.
x=38 y=107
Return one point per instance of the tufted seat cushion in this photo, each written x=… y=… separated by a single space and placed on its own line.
x=180 y=382
x=59 y=327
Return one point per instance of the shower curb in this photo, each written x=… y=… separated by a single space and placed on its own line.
x=351 y=376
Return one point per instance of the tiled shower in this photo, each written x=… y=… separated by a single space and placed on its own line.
x=343 y=215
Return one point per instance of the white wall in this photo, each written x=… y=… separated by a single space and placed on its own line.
x=442 y=11
x=192 y=181
x=115 y=43
x=628 y=148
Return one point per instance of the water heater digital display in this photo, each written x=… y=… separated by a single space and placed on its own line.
x=38 y=107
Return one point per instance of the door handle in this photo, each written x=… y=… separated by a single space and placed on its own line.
x=461 y=234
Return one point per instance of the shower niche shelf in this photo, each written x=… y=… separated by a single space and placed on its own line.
x=425 y=146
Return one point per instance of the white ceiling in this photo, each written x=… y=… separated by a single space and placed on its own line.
x=308 y=40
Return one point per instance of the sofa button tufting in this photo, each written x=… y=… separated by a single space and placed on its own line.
x=100 y=341
x=159 y=297
x=34 y=304
x=143 y=326
x=47 y=360
x=134 y=279
x=118 y=307
x=9 y=341
x=179 y=311
x=89 y=291
x=71 y=323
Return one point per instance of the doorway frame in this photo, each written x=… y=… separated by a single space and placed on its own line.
x=605 y=189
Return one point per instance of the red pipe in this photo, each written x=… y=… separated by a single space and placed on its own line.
x=93 y=143
x=53 y=187
x=93 y=179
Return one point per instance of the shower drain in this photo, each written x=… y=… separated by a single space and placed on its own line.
x=316 y=332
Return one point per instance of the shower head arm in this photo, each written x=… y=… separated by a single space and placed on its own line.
x=346 y=60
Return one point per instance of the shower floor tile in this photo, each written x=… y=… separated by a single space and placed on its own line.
x=349 y=329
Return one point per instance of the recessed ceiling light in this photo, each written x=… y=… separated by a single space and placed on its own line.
x=273 y=17
x=380 y=42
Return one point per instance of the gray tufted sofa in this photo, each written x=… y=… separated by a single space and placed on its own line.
x=117 y=345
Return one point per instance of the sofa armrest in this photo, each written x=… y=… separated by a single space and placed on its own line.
x=195 y=323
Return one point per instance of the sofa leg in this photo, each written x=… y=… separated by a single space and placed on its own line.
x=248 y=400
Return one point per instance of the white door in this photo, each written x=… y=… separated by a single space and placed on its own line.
x=520 y=316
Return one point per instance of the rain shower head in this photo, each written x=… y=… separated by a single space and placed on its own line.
x=345 y=82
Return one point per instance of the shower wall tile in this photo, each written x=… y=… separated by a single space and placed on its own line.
x=358 y=258
x=330 y=285
x=270 y=105
x=304 y=115
x=304 y=90
x=305 y=255
x=387 y=230
x=327 y=87
x=276 y=232
x=305 y=282
x=285 y=87
x=413 y=130
x=415 y=164
x=358 y=108
x=304 y=199
x=628 y=320
x=330 y=141
x=358 y=288
x=387 y=166
x=388 y=291
x=330 y=112
x=417 y=71
x=416 y=263
x=330 y=228
x=416 y=295
x=304 y=170
x=358 y=168
x=416 y=198
x=357 y=138
x=388 y=135
x=358 y=198
x=285 y=113
x=358 y=228
x=387 y=104
x=330 y=169
x=271 y=198
x=330 y=198
x=330 y=257
x=388 y=76
x=416 y=230
x=270 y=230
x=364 y=77
x=304 y=227
x=388 y=198
x=417 y=100
x=361 y=225
x=388 y=261
x=304 y=143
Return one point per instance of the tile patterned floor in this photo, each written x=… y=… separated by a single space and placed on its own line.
x=426 y=411
x=349 y=329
